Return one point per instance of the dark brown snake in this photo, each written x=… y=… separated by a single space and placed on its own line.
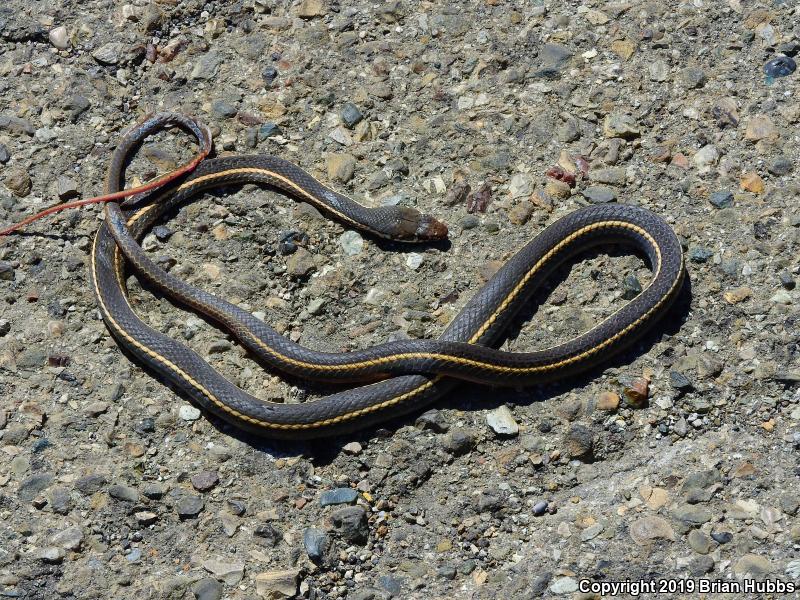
x=406 y=375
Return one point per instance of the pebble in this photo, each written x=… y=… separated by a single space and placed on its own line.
x=51 y=555
x=620 y=126
x=780 y=166
x=230 y=573
x=351 y=115
x=752 y=182
x=18 y=182
x=187 y=412
x=502 y=423
x=205 y=480
x=754 y=566
x=207 y=588
x=540 y=508
x=300 y=264
x=338 y=496
x=780 y=66
x=5 y=155
x=351 y=242
x=59 y=37
x=459 y=441
x=631 y=287
x=579 y=441
x=414 y=260
x=761 y=127
x=520 y=186
x=6 y=272
x=434 y=420
x=341 y=167
x=189 y=506
x=706 y=159
x=275 y=585
x=700 y=542
x=721 y=199
x=722 y=537
x=608 y=402
x=599 y=194
x=351 y=524
x=70 y=538
x=645 y=530
x=124 y=493
x=564 y=585
x=353 y=448
x=109 y=54
x=316 y=543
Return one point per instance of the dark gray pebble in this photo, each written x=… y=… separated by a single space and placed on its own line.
x=338 y=496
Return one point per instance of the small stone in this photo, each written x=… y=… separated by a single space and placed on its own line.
x=610 y=175
x=722 y=537
x=681 y=427
x=579 y=441
x=316 y=543
x=341 y=167
x=204 y=480
x=353 y=448
x=623 y=48
x=564 y=585
x=300 y=264
x=502 y=423
x=631 y=287
x=70 y=538
x=189 y=506
x=206 y=67
x=620 y=126
x=706 y=159
x=229 y=573
x=781 y=297
x=187 y=412
x=146 y=518
x=721 y=199
x=340 y=135
x=434 y=420
x=109 y=54
x=59 y=37
x=693 y=77
x=66 y=188
x=520 y=213
x=521 y=185
x=221 y=108
x=737 y=295
x=699 y=255
x=351 y=242
x=124 y=493
x=780 y=166
x=557 y=189
x=51 y=555
x=637 y=392
x=645 y=530
x=414 y=260
x=6 y=272
x=679 y=381
x=90 y=484
x=5 y=155
x=459 y=441
x=608 y=402
x=539 y=508
x=351 y=115
x=700 y=542
x=338 y=496
x=752 y=182
x=207 y=588
x=18 y=182
x=351 y=524
x=761 y=127
x=598 y=194
x=309 y=9
x=268 y=130
x=276 y=585
x=754 y=566
x=658 y=70
x=780 y=66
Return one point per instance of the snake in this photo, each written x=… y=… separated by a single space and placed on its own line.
x=395 y=378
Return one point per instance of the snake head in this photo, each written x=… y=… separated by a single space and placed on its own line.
x=408 y=224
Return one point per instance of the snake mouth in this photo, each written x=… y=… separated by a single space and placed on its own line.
x=430 y=228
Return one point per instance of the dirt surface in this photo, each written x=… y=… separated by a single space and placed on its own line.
x=678 y=461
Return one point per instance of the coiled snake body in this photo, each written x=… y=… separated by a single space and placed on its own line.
x=406 y=375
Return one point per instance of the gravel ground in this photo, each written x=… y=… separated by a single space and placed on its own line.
x=678 y=461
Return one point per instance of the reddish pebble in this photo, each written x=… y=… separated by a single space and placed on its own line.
x=561 y=174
